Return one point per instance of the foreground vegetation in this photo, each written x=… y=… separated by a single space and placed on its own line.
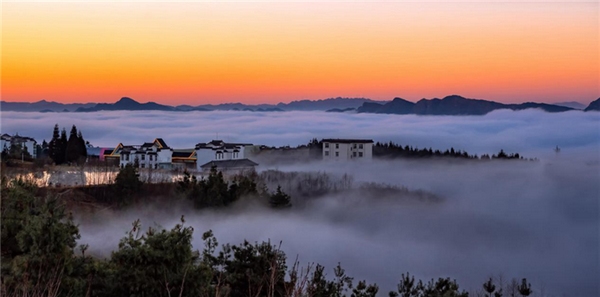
x=40 y=255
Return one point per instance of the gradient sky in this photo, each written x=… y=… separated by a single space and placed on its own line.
x=195 y=53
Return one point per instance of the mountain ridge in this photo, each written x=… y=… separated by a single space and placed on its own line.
x=452 y=105
x=449 y=105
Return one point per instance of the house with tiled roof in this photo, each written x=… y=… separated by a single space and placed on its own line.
x=218 y=150
x=153 y=155
x=184 y=159
x=27 y=143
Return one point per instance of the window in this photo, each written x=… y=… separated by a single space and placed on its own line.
x=126 y=157
x=326 y=144
x=150 y=157
x=337 y=154
x=143 y=157
x=337 y=145
x=143 y=165
x=354 y=145
x=360 y=146
x=326 y=153
x=354 y=154
x=360 y=154
x=155 y=166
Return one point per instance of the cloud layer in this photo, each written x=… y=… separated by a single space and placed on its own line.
x=527 y=132
x=538 y=220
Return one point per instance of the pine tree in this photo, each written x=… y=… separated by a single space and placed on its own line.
x=81 y=145
x=62 y=145
x=72 y=149
x=54 y=145
x=280 y=199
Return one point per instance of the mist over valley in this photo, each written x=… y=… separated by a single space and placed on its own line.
x=443 y=217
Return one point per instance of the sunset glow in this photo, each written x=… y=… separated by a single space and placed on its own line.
x=195 y=53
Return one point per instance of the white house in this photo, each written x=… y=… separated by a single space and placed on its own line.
x=152 y=155
x=28 y=143
x=218 y=150
x=347 y=149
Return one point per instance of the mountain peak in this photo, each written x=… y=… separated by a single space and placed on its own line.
x=454 y=97
x=126 y=100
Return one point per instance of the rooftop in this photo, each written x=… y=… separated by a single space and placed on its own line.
x=337 y=140
x=235 y=163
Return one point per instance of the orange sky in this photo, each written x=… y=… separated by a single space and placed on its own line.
x=195 y=53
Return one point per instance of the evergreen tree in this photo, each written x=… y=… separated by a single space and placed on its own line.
x=127 y=184
x=81 y=145
x=525 y=288
x=72 y=150
x=54 y=145
x=280 y=199
x=61 y=148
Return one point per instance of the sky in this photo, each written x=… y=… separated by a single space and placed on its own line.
x=269 y=52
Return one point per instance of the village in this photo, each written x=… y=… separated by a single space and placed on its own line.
x=227 y=157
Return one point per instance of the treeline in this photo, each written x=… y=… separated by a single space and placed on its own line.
x=40 y=257
x=394 y=150
x=63 y=150
x=215 y=191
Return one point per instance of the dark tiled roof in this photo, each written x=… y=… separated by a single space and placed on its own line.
x=236 y=163
x=108 y=151
x=183 y=153
x=162 y=143
x=148 y=144
x=348 y=140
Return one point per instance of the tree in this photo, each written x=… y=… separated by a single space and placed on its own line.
x=280 y=199
x=525 y=288
x=38 y=239
x=489 y=288
x=54 y=146
x=157 y=263
x=127 y=184
x=72 y=149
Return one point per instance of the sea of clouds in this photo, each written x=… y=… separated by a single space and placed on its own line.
x=538 y=220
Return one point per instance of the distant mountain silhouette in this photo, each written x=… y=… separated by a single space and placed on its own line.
x=451 y=105
x=43 y=106
x=325 y=104
x=571 y=104
x=126 y=103
x=349 y=109
x=306 y=105
x=594 y=105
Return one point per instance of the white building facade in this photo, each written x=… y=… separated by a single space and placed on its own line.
x=347 y=149
x=218 y=150
x=152 y=155
x=28 y=143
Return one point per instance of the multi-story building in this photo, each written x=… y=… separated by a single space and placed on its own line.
x=218 y=150
x=27 y=143
x=152 y=155
x=347 y=149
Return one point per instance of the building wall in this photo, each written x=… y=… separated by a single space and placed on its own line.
x=29 y=144
x=165 y=156
x=347 y=151
x=205 y=155
x=4 y=144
